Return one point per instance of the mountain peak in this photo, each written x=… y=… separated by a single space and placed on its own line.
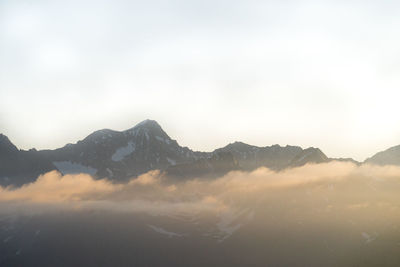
x=238 y=146
x=148 y=127
x=100 y=135
x=309 y=155
x=389 y=156
x=6 y=145
x=148 y=124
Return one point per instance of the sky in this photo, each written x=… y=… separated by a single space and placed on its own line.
x=308 y=73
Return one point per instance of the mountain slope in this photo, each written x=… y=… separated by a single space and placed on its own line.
x=274 y=157
x=218 y=164
x=309 y=155
x=18 y=167
x=121 y=155
x=390 y=156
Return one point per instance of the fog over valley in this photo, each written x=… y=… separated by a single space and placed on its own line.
x=326 y=214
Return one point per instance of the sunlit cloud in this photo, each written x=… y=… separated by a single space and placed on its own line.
x=347 y=186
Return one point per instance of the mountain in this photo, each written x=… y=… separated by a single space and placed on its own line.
x=18 y=167
x=309 y=155
x=121 y=155
x=218 y=164
x=252 y=157
x=390 y=156
x=6 y=147
x=241 y=156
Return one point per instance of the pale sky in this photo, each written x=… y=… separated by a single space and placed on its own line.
x=308 y=73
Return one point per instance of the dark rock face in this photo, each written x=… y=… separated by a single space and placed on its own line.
x=121 y=155
x=17 y=167
x=252 y=157
x=309 y=155
x=390 y=156
x=218 y=164
x=6 y=147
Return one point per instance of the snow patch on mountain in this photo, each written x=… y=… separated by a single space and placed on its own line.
x=5 y=240
x=369 y=237
x=164 y=232
x=229 y=224
x=304 y=156
x=162 y=139
x=110 y=172
x=122 y=152
x=68 y=167
x=171 y=161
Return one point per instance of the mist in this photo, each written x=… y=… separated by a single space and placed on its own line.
x=318 y=214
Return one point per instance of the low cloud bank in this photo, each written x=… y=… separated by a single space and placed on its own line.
x=335 y=184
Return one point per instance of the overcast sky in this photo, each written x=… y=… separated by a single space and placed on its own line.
x=308 y=73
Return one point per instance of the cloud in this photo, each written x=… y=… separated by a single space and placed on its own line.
x=337 y=185
x=317 y=212
x=53 y=187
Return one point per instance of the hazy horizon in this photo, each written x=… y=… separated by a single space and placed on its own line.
x=306 y=73
x=212 y=149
